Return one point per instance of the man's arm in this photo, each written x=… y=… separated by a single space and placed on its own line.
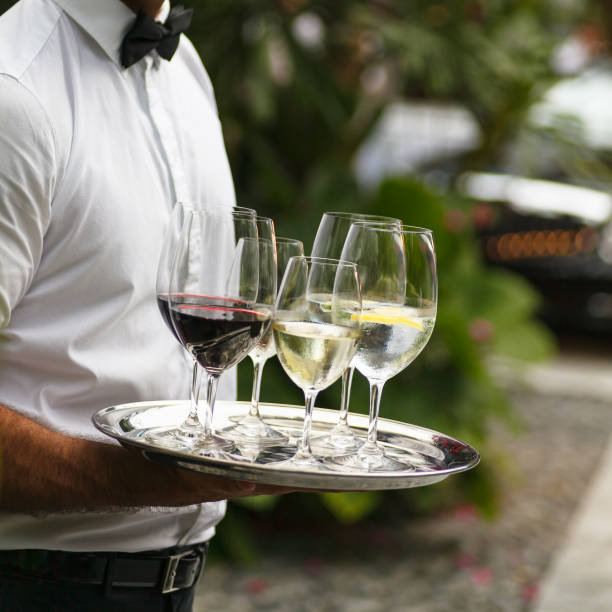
x=44 y=471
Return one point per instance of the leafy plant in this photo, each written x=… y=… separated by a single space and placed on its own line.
x=300 y=86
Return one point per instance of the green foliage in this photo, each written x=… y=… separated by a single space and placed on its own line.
x=350 y=507
x=261 y=503
x=237 y=543
x=294 y=115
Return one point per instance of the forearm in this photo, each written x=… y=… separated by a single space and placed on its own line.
x=42 y=470
x=45 y=470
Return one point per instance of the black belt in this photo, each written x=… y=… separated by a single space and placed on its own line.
x=168 y=570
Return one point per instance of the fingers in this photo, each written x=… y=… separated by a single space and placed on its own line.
x=251 y=489
x=205 y=487
x=225 y=488
x=231 y=489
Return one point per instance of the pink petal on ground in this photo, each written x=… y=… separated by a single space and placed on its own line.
x=530 y=591
x=481 y=576
x=467 y=513
x=465 y=561
x=255 y=586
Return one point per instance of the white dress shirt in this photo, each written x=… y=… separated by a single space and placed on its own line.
x=92 y=158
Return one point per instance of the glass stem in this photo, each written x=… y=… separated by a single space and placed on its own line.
x=371 y=445
x=304 y=451
x=257 y=370
x=347 y=381
x=211 y=394
x=192 y=422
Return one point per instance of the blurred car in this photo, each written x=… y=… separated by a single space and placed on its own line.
x=558 y=236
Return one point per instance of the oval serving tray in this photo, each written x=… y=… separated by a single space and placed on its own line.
x=433 y=456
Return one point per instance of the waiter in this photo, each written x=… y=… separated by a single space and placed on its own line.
x=107 y=117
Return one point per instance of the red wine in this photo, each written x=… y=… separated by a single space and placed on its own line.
x=218 y=332
x=188 y=298
x=164 y=308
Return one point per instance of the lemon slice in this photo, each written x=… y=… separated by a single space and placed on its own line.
x=388 y=315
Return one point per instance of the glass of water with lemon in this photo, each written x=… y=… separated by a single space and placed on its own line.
x=397 y=272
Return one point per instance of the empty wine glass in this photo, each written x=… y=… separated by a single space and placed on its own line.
x=286 y=248
x=190 y=430
x=329 y=242
x=316 y=330
x=213 y=300
x=251 y=429
x=397 y=271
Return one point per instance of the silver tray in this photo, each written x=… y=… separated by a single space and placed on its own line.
x=433 y=456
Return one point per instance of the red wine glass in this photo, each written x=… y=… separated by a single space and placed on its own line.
x=213 y=301
x=190 y=431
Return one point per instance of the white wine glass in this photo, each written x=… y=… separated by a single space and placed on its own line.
x=329 y=242
x=316 y=330
x=397 y=271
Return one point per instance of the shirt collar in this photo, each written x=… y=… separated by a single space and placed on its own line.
x=106 y=21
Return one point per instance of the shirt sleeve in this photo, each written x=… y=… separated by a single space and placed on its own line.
x=27 y=182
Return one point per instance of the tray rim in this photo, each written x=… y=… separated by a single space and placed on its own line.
x=267 y=473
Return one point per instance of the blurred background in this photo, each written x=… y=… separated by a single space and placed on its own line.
x=489 y=121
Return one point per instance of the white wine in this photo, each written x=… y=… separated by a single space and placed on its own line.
x=314 y=355
x=391 y=338
x=265 y=348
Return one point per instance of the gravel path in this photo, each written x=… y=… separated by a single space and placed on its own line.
x=451 y=562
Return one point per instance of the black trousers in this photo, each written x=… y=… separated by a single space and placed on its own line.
x=25 y=590
x=23 y=594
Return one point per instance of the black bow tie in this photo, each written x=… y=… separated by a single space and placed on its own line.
x=147 y=34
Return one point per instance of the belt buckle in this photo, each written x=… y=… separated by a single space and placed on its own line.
x=172 y=563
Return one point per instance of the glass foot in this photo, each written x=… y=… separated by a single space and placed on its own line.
x=252 y=430
x=300 y=461
x=175 y=438
x=367 y=460
x=213 y=446
x=337 y=441
x=247 y=452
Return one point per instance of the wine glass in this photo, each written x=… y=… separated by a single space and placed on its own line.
x=316 y=330
x=190 y=430
x=251 y=429
x=329 y=242
x=213 y=300
x=397 y=272
x=286 y=248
